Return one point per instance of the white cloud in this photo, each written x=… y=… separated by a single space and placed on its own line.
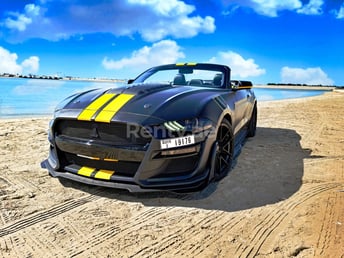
x=269 y=7
x=18 y=21
x=8 y=63
x=314 y=7
x=152 y=19
x=340 y=14
x=173 y=19
x=183 y=27
x=32 y=10
x=162 y=52
x=272 y=7
x=30 y=65
x=239 y=66
x=166 y=8
x=310 y=76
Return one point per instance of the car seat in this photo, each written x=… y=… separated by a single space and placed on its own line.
x=179 y=79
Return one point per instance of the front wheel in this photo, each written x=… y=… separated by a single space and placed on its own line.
x=224 y=150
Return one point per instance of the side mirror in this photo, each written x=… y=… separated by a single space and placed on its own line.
x=130 y=81
x=235 y=84
x=238 y=85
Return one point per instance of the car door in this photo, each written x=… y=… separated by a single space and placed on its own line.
x=240 y=109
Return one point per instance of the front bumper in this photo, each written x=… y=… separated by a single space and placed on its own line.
x=130 y=184
x=135 y=170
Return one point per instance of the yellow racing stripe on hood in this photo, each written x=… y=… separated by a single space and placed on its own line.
x=92 y=108
x=113 y=107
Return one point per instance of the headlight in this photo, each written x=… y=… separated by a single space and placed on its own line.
x=174 y=126
x=193 y=125
x=179 y=128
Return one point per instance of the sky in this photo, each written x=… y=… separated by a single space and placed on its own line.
x=265 y=41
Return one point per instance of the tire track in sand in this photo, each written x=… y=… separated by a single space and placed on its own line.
x=261 y=233
x=326 y=227
x=77 y=242
x=228 y=222
x=332 y=223
x=172 y=241
x=118 y=231
x=45 y=215
x=177 y=242
x=264 y=230
x=30 y=236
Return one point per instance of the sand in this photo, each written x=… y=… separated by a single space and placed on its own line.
x=283 y=198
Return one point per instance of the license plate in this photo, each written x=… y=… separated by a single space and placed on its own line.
x=177 y=142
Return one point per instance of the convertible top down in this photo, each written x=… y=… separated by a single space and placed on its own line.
x=172 y=128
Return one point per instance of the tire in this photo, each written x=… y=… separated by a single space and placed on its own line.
x=224 y=150
x=252 y=124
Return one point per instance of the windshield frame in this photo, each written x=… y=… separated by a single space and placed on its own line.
x=225 y=70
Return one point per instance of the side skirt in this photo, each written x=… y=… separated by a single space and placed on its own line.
x=239 y=141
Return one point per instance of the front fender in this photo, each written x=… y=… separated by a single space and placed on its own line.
x=216 y=110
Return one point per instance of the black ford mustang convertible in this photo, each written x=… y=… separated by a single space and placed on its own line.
x=174 y=127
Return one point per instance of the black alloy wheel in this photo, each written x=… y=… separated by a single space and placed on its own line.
x=224 y=151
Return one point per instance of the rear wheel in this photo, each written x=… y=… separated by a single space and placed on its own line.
x=224 y=150
x=252 y=125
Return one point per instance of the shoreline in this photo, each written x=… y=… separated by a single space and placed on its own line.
x=325 y=95
x=326 y=90
x=67 y=78
x=274 y=86
x=294 y=87
x=25 y=117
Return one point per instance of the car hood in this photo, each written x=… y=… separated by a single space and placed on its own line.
x=148 y=103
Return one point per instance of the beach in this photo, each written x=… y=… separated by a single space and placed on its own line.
x=284 y=196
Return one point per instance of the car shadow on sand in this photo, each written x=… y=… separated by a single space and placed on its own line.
x=268 y=170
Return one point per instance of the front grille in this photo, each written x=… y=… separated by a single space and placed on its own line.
x=116 y=134
x=108 y=146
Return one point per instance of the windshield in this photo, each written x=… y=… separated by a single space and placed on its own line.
x=186 y=75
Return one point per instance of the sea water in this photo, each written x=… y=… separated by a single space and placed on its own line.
x=267 y=94
x=34 y=97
